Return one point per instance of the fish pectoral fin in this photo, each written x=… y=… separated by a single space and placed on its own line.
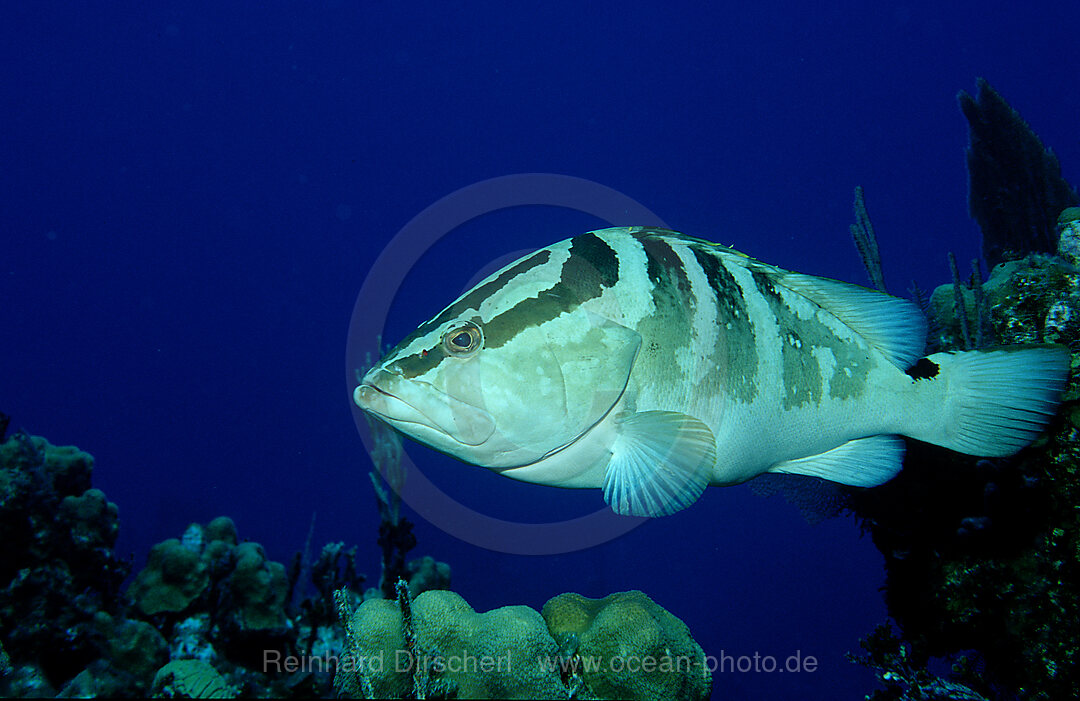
x=863 y=462
x=660 y=463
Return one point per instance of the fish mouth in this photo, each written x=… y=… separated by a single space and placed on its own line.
x=418 y=408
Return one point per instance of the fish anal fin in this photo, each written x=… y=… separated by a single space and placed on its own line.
x=863 y=462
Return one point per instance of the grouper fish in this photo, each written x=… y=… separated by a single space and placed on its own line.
x=652 y=364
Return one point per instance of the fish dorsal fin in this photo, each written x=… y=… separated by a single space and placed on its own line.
x=660 y=463
x=863 y=462
x=896 y=327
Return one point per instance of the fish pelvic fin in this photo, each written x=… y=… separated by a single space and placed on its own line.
x=992 y=403
x=660 y=463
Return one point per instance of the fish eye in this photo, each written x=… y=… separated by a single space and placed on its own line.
x=463 y=339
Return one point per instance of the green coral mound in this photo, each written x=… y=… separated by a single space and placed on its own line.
x=438 y=646
x=259 y=586
x=190 y=679
x=490 y=655
x=179 y=572
x=644 y=652
x=174 y=577
x=134 y=646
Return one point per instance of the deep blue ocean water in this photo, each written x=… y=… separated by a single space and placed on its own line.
x=193 y=194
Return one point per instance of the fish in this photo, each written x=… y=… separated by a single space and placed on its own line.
x=652 y=364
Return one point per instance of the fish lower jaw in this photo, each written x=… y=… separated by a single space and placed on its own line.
x=389 y=408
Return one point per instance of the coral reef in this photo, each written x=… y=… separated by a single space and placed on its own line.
x=217 y=599
x=258 y=589
x=175 y=575
x=1068 y=228
x=209 y=616
x=984 y=555
x=425 y=574
x=1015 y=187
x=57 y=568
x=622 y=646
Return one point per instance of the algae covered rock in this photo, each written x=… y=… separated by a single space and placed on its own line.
x=635 y=649
x=221 y=529
x=983 y=554
x=94 y=521
x=231 y=591
x=135 y=647
x=1068 y=229
x=1032 y=300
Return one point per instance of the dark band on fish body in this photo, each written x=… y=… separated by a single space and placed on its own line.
x=730 y=303
x=736 y=350
x=419 y=363
x=765 y=284
x=591 y=261
x=799 y=337
x=477 y=295
x=665 y=268
x=592 y=267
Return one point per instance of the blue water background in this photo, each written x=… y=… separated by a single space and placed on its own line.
x=192 y=194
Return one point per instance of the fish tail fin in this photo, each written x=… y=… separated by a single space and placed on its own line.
x=995 y=402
